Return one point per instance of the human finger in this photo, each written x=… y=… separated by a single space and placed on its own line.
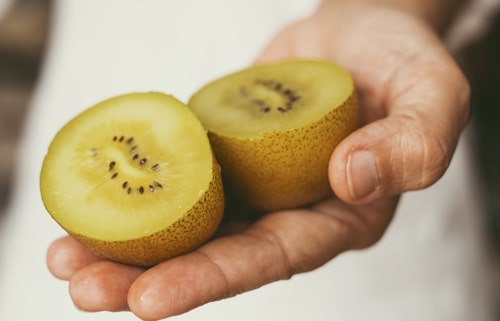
x=102 y=286
x=414 y=100
x=276 y=247
x=65 y=256
x=411 y=147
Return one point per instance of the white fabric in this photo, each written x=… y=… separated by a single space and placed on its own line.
x=4 y=7
x=472 y=23
x=431 y=264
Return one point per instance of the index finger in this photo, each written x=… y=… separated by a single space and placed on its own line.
x=276 y=247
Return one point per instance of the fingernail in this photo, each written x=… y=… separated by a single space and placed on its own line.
x=362 y=176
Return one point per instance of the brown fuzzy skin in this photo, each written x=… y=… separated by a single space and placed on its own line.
x=286 y=169
x=189 y=232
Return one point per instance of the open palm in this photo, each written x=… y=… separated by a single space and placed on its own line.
x=415 y=103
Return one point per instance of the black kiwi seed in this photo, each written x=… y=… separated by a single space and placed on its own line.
x=259 y=102
x=129 y=188
x=243 y=91
x=267 y=83
x=289 y=94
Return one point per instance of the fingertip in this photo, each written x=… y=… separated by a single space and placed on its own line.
x=179 y=285
x=143 y=299
x=362 y=174
x=400 y=153
x=102 y=286
x=65 y=256
x=354 y=171
x=158 y=293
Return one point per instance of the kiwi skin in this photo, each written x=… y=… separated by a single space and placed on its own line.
x=284 y=169
x=292 y=171
x=185 y=235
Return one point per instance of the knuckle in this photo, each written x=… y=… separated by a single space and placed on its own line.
x=435 y=159
x=426 y=154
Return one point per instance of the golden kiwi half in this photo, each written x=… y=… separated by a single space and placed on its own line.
x=273 y=129
x=134 y=179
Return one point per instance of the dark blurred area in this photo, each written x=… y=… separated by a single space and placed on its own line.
x=23 y=33
x=481 y=63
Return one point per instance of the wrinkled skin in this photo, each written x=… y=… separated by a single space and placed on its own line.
x=411 y=91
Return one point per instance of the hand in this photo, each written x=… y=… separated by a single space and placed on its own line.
x=415 y=104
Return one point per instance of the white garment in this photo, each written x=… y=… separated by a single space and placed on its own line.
x=430 y=265
x=473 y=21
x=4 y=7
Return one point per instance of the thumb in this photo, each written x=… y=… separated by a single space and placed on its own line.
x=409 y=149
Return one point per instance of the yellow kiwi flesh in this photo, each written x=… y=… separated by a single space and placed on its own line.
x=274 y=127
x=134 y=179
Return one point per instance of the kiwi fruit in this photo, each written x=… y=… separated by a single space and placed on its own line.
x=134 y=179
x=273 y=128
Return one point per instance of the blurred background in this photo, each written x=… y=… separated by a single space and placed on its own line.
x=23 y=34
x=480 y=62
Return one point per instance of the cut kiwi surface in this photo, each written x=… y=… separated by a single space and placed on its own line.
x=134 y=178
x=274 y=127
